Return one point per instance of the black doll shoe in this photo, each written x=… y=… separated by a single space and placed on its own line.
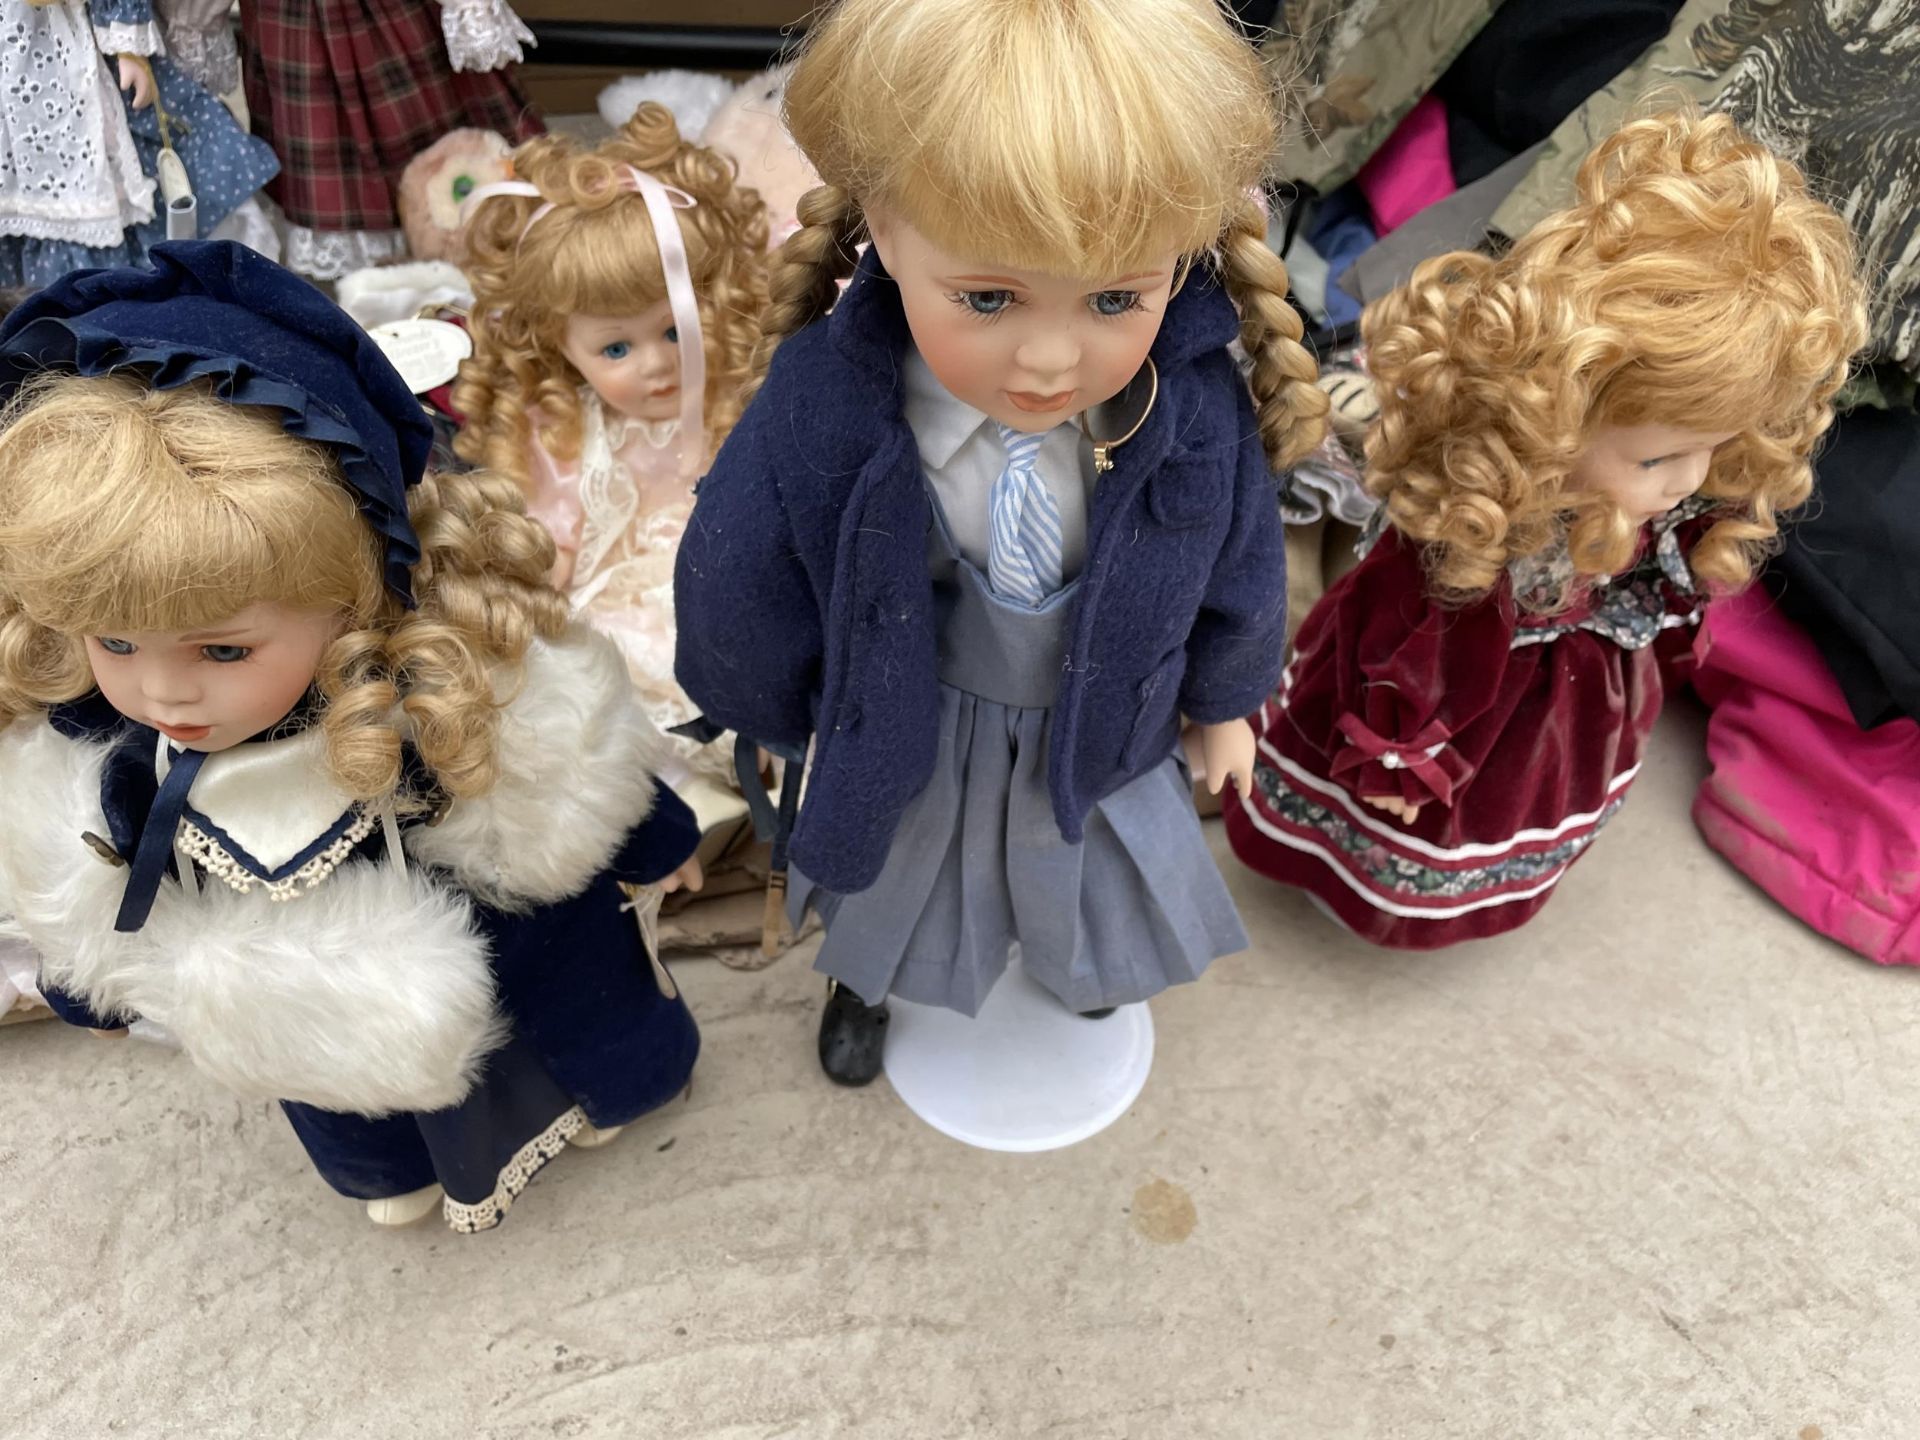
x=1100 y=1014
x=852 y=1037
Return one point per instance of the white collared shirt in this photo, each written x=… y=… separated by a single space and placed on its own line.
x=963 y=456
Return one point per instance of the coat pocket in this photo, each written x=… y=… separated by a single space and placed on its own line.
x=1192 y=487
x=1156 y=719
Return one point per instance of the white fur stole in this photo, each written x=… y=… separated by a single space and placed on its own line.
x=578 y=757
x=370 y=994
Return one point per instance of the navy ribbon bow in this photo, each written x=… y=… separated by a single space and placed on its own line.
x=156 y=842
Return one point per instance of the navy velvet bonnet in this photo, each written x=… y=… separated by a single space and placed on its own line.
x=218 y=311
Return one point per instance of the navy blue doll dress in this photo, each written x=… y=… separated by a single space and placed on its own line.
x=438 y=993
x=450 y=1015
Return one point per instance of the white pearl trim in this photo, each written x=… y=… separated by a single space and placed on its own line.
x=214 y=858
x=515 y=1176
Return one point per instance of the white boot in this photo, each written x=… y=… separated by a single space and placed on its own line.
x=398 y=1210
x=591 y=1137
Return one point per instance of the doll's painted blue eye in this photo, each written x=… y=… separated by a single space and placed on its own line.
x=618 y=350
x=114 y=647
x=1114 y=302
x=462 y=186
x=673 y=335
x=226 y=654
x=987 y=303
x=1656 y=462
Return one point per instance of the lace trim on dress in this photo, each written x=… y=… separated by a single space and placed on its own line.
x=482 y=35
x=329 y=254
x=88 y=229
x=69 y=171
x=528 y=1161
x=129 y=37
x=608 y=497
x=214 y=858
x=210 y=58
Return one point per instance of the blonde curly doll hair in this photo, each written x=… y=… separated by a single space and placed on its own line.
x=595 y=254
x=1079 y=137
x=1695 y=283
x=124 y=508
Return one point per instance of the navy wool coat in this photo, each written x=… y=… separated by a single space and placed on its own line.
x=805 y=607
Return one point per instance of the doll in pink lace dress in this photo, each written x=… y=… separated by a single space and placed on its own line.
x=617 y=294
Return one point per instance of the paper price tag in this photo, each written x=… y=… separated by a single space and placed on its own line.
x=427 y=353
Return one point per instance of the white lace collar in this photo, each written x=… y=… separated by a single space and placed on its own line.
x=270 y=815
x=617 y=429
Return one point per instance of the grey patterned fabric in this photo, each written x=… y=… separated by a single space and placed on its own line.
x=1352 y=69
x=1833 y=85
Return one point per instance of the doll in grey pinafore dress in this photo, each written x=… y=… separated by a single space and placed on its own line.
x=992 y=755
x=978 y=863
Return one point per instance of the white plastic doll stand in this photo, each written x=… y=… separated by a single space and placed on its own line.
x=1025 y=1074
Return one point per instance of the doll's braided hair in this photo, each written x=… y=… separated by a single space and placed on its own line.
x=1072 y=136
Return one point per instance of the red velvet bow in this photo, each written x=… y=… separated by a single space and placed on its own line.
x=1365 y=747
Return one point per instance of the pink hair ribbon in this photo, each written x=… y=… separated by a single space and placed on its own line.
x=661 y=201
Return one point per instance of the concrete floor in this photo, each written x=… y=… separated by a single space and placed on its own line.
x=1644 y=1169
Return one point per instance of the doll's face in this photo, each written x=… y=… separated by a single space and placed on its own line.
x=631 y=361
x=1030 y=349
x=1647 y=469
x=211 y=688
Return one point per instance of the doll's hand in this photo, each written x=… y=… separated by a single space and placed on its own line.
x=135 y=75
x=1394 y=805
x=119 y=1033
x=689 y=877
x=1220 y=753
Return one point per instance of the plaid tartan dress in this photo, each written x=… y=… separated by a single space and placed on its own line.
x=348 y=91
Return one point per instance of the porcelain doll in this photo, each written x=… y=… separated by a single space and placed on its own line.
x=601 y=383
x=1001 y=518
x=303 y=760
x=1580 y=445
x=78 y=160
x=347 y=92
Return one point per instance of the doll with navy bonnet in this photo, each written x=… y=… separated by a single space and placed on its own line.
x=303 y=759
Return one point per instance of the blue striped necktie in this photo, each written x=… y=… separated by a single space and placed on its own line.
x=1024 y=551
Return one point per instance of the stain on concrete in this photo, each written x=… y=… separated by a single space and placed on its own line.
x=1163 y=1212
x=1387 y=1342
x=1812 y=1432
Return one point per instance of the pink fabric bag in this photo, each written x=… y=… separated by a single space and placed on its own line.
x=1411 y=170
x=1822 y=815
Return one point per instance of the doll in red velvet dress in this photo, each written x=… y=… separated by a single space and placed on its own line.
x=1580 y=445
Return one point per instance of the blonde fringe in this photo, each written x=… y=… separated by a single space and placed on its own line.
x=1155 y=124
x=190 y=509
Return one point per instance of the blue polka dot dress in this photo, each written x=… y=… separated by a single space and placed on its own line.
x=77 y=162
